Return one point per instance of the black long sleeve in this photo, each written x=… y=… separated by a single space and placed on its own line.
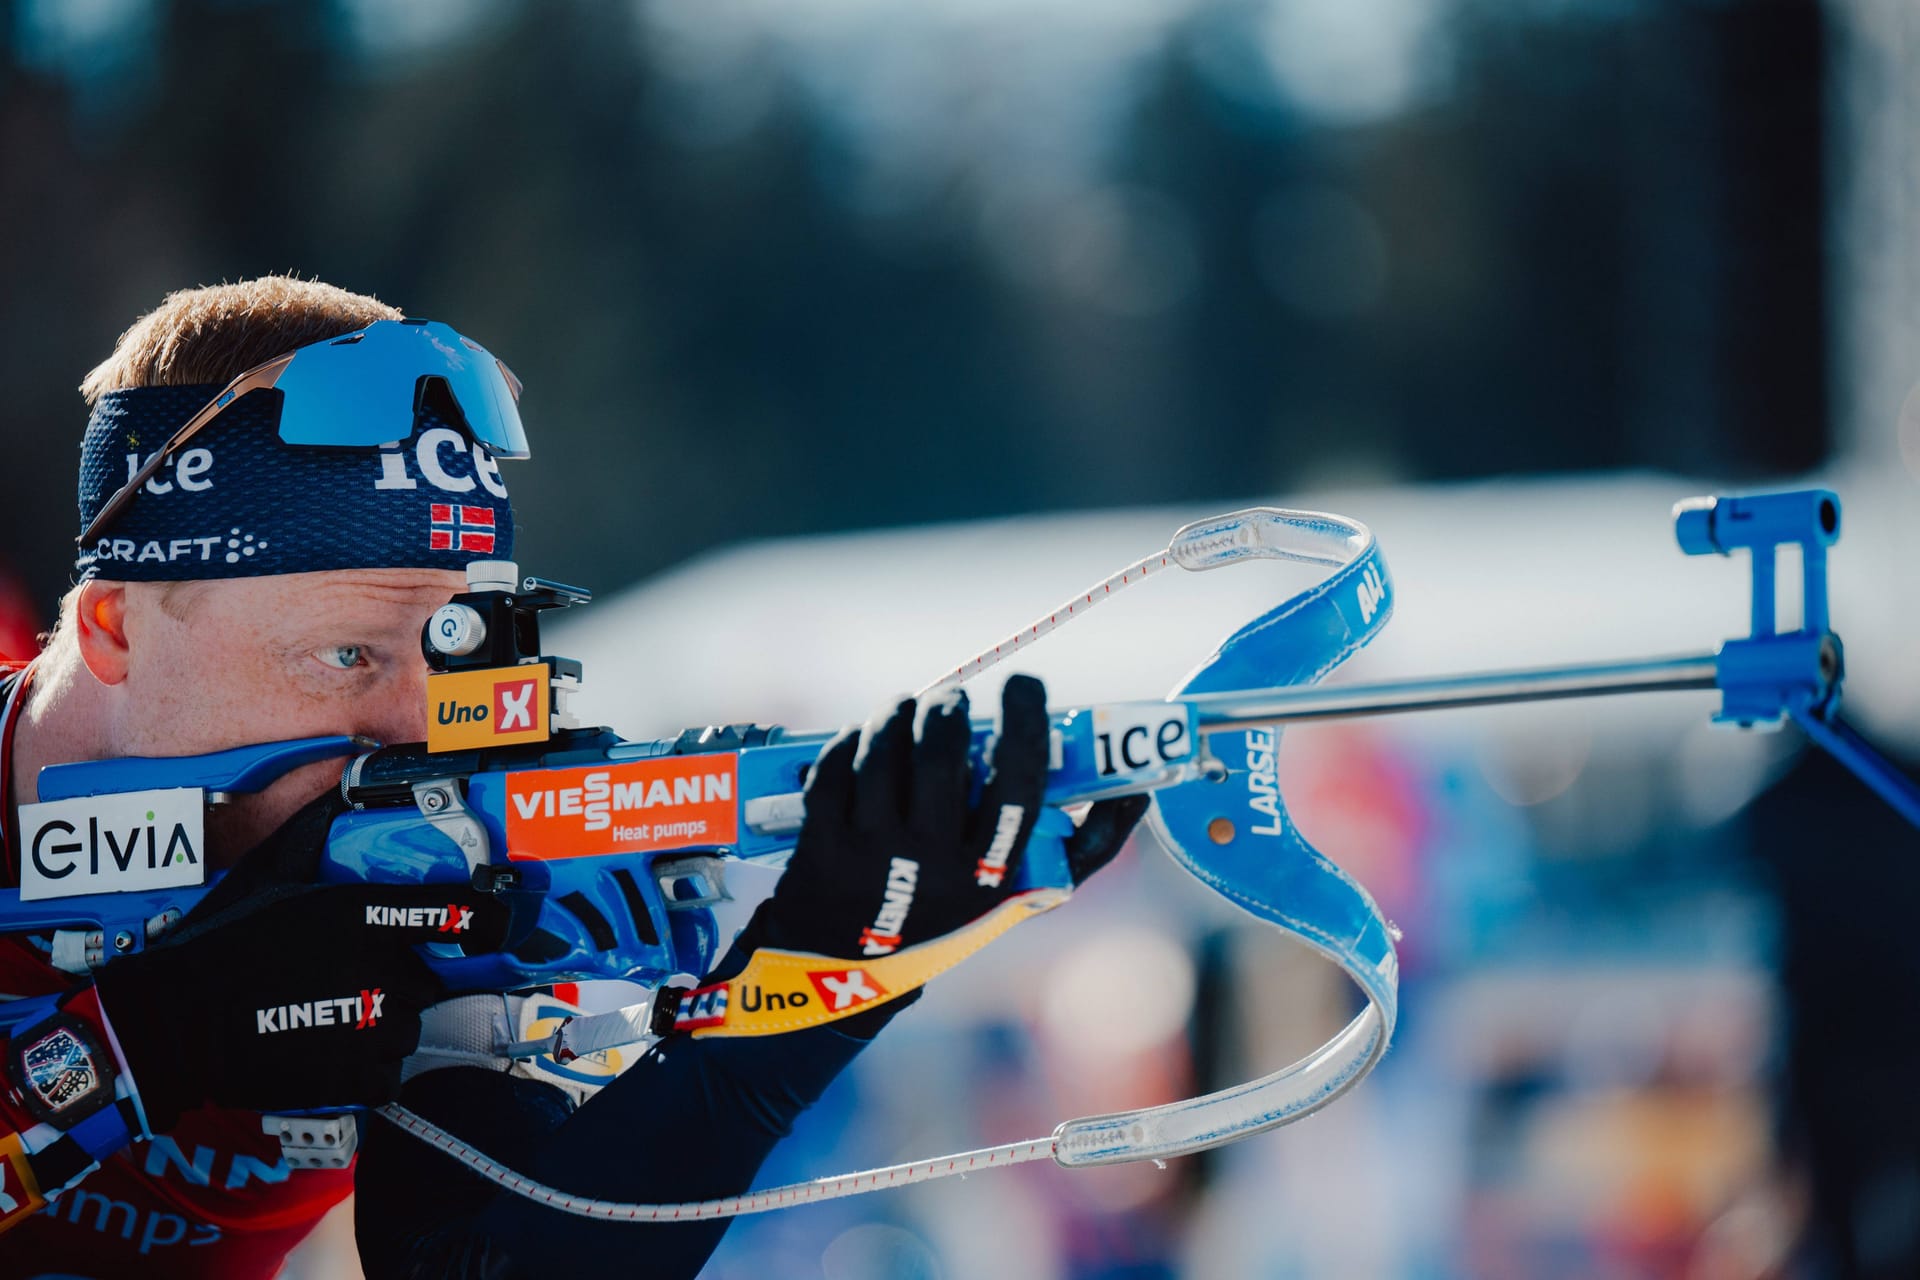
x=692 y=1120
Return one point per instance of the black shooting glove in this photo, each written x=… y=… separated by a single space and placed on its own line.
x=298 y=997
x=892 y=851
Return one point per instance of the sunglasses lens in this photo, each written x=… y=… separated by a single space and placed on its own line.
x=358 y=391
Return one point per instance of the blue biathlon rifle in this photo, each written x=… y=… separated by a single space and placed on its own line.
x=647 y=856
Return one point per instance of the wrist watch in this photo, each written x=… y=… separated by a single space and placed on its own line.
x=60 y=1071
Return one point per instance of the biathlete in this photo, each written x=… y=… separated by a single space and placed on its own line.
x=263 y=576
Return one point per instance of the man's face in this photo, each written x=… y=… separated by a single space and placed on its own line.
x=232 y=663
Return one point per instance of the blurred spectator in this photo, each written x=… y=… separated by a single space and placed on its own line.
x=1846 y=873
x=19 y=622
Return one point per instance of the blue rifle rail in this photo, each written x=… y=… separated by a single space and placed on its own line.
x=1202 y=736
x=1797 y=674
x=1763 y=678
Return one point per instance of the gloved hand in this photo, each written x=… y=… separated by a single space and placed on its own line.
x=892 y=853
x=298 y=997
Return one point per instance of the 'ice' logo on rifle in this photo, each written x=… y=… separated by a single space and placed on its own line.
x=60 y=1069
x=453 y=527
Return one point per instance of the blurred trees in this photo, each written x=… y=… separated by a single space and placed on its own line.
x=1599 y=246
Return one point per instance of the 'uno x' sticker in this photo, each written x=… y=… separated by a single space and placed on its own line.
x=846 y=989
x=513 y=707
x=19 y=1196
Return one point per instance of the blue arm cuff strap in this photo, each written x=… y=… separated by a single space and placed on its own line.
x=102 y=1133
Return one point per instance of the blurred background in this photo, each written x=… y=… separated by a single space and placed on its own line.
x=856 y=333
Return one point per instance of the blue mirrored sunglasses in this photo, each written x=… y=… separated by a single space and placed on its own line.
x=359 y=391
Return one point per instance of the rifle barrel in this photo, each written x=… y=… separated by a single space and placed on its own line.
x=1223 y=712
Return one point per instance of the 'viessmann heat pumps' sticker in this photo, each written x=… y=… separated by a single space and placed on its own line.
x=673 y=802
x=111 y=844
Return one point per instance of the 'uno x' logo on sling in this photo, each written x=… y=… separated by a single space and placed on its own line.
x=843 y=989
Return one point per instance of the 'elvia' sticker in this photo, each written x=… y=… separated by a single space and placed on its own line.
x=110 y=844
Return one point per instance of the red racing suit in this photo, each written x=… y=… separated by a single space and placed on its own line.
x=212 y=1198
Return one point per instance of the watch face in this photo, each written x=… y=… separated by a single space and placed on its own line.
x=61 y=1076
x=60 y=1069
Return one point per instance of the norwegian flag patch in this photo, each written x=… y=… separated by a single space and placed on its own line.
x=704 y=1007
x=453 y=527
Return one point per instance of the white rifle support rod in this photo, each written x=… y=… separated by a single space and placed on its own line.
x=1225 y=712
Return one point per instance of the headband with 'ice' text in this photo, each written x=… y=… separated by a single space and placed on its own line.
x=239 y=503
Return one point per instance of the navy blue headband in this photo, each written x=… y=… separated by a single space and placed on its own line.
x=238 y=503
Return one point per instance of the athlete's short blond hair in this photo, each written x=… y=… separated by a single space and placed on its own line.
x=217 y=332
